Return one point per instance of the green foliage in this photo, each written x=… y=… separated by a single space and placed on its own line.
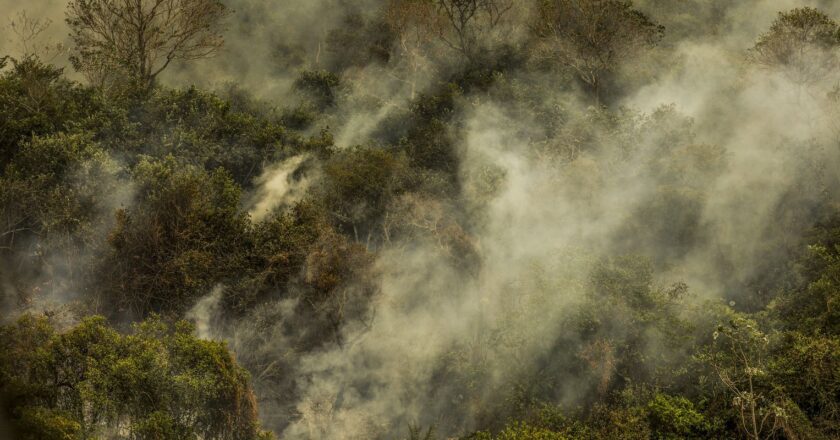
x=54 y=185
x=36 y=100
x=522 y=431
x=630 y=330
x=41 y=423
x=547 y=422
x=626 y=422
x=205 y=130
x=674 y=417
x=90 y=381
x=807 y=368
x=320 y=86
x=630 y=416
x=427 y=142
x=739 y=355
x=360 y=182
x=811 y=308
x=278 y=249
x=805 y=355
x=54 y=195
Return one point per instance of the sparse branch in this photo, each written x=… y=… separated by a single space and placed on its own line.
x=28 y=31
x=592 y=37
x=802 y=43
x=472 y=24
x=142 y=37
x=738 y=361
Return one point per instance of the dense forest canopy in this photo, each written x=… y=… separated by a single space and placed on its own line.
x=422 y=219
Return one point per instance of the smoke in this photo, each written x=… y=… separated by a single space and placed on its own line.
x=51 y=271
x=744 y=150
x=279 y=185
x=204 y=311
x=268 y=43
x=430 y=309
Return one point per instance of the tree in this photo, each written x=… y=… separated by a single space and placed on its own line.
x=811 y=308
x=415 y=23
x=320 y=86
x=592 y=37
x=90 y=381
x=616 y=351
x=357 y=41
x=179 y=239
x=142 y=37
x=337 y=286
x=50 y=205
x=808 y=369
x=28 y=32
x=36 y=100
x=739 y=357
x=358 y=184
x=471 y=23
x=807 y=357
x=208 y=130
x=802 y=43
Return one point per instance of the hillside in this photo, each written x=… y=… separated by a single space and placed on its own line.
x=422 y=219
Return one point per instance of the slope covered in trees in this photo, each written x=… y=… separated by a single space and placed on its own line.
x=386 y=219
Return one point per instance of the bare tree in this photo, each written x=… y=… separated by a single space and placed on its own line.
x=142 y=37
x=471 y=23
x=415 y=23
x=28 y=32
x=802 y=43
x=592 y=37
x=739 y=357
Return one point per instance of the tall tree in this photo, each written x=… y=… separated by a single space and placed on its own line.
x=142 y=37
x=803 y=43
x=738 y=354
x=592 y=37
x=415 y=23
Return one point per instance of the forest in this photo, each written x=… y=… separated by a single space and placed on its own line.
x=420 y=219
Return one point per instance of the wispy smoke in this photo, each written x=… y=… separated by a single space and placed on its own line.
x=204 y=312
x=279 y=185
